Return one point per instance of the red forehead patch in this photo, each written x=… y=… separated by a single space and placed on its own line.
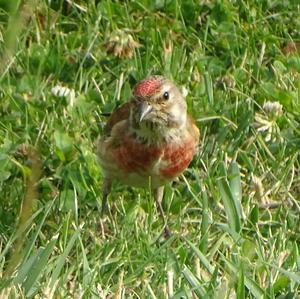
x=147 y=87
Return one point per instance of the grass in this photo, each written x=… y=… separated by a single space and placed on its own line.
x=235 y=212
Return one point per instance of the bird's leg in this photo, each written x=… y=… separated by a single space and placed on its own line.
x=105 y=191
x=158 y=196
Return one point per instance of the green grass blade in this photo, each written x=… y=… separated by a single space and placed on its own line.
x=291 y=275
x=38 y=268
x=229 y=205
x=197 y=288
x=202 y=257
x=26 y=267
x=234 y=177
x=252 y=286
x=13 y=238
x=62 y=259
x=33 y=239
x=204 y=223
x=209 y=88
x=240 y=289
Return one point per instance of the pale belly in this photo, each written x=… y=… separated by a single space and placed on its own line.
x=137 y=180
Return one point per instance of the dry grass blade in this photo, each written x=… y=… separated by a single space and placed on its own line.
x=31 y=195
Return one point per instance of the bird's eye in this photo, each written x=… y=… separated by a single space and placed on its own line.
x=166 y=95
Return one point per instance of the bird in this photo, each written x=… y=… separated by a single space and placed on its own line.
x=148 y=141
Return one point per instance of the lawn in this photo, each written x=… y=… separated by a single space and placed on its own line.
x=234 y=214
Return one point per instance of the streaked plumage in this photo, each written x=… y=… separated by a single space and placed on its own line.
x=150 y=139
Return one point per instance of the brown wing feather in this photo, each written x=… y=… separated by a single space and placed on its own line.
x=121 y=113
x=193 y=129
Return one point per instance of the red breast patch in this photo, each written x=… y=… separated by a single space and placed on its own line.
x=179 y=159
x=147 y=87
x=134 y=157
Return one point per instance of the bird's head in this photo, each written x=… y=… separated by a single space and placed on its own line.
x=158 y=105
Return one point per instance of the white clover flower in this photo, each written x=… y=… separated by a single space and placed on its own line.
x=62 y=92
x=273 y=109
x=121 y=44
x=261 y=123
x=267 y=122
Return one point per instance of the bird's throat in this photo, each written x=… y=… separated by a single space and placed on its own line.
x=154 y=133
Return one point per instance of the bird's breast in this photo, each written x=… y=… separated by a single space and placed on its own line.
x=133 y=156
x=177 y=158
x=166 y=160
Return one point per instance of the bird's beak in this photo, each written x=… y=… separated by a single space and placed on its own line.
x=144 y=109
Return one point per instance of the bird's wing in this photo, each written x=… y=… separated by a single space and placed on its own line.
x=120 y=114
x=114 y=133
x=193 y=129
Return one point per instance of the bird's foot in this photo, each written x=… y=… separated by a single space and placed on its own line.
x=167 y=232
